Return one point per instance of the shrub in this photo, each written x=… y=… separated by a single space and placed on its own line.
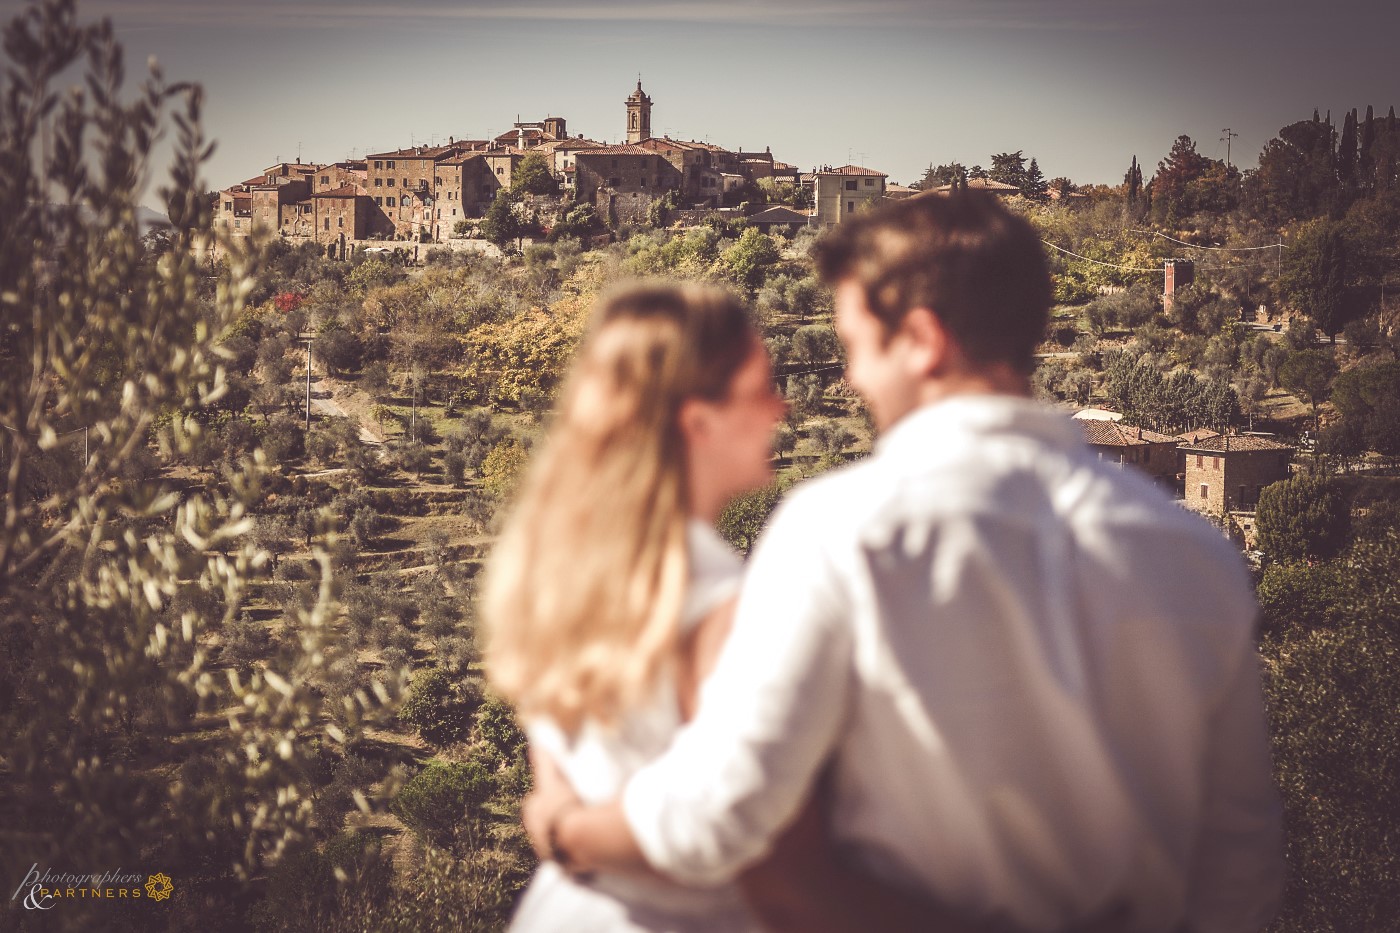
x=437 y=799
x=1305 y=516
x=502 y=468
x=1302 y=594
x=440 y=706
x=496 y=726
x=744 y=517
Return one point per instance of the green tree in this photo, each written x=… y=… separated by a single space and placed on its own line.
x=114 y=580
x=743 y=519
x=1332 y=693
x=435 y=801
x=1035 y=186
x=1347 y=150
x=750 y=258
x=784 y=440
x=1302 y=517
x=501 y=225
x=1009 y=168
x=1315 y=274
x=440 y=706
x=1296 y=177
x=1308 y=374
x=503 y=467
x=534 y=176
x=1132 y=182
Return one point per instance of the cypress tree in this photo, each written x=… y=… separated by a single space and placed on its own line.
x=1365 y=165
x=1034 y=187
x=1346 y=152
x=1133 y=181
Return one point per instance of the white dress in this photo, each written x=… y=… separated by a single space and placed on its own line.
x=599 y=761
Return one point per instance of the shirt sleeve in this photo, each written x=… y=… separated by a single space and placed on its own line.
x=768 y=717
x=1237 y=876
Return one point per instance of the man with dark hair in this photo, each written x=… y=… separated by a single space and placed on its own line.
x=1031 y=675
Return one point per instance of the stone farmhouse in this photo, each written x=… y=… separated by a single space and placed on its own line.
x=424 y=193
x=1211 y=473
x=1225 y=472
x=1153 y=453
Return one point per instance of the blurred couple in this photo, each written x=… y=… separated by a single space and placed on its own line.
x=978 y=680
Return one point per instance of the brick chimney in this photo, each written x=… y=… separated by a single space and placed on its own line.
x=1176 y=273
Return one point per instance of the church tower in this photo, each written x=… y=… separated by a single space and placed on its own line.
x=638 y=115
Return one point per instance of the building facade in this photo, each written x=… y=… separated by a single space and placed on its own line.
x=1155 y=454
x=840 y=192
x=1225 y=473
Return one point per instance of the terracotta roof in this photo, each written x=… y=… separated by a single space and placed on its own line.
x=1199 y=434
x=668 y=142
x=344 y=191
x=1231 y=443
x=616 y=150
x=416 y=152
x=778 y=214
x=977 y=184
x=850 y=170
x=1117 y=434
x=784 y=166
x=554 y=145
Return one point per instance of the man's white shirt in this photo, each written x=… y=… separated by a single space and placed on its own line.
x=1032 y=673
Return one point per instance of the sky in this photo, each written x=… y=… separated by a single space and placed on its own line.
x=896 y=85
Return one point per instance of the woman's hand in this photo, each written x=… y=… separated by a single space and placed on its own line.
x=551 y=797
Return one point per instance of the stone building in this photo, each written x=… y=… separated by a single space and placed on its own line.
x=338 y=175
x=283 y=206
x=340 y=215
x=840 y=192
x=700 y=180
x=779 y=218
x=622 y=181
x=560 y=154
x=1225 y=472
x=1115 y=442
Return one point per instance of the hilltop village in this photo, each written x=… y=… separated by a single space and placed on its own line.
x=435 y=193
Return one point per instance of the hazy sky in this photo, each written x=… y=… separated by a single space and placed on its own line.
x=1083 y=85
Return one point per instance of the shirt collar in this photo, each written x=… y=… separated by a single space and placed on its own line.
x=982 y=414
x=709 y=553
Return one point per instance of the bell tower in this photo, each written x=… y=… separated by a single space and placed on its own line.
x=638 y=115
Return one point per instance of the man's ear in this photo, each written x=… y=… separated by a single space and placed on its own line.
x=693 y=418
x=930 y=344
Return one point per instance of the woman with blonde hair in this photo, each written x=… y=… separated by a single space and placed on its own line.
x=609 y=590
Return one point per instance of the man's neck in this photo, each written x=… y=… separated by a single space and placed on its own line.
x=999 y=380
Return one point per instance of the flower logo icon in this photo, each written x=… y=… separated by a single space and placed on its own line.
x=158 y=886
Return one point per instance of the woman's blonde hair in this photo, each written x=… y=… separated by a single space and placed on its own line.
x=585 y=588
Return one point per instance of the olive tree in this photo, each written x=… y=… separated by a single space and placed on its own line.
x=113 y=581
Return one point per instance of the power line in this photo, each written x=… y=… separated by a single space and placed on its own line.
x=1099 y=263
x=1218 y=249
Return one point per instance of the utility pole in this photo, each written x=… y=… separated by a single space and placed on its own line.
x=1228 y=138
x=308 y=386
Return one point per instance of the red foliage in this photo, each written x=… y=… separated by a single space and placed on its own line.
x=288 y=301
